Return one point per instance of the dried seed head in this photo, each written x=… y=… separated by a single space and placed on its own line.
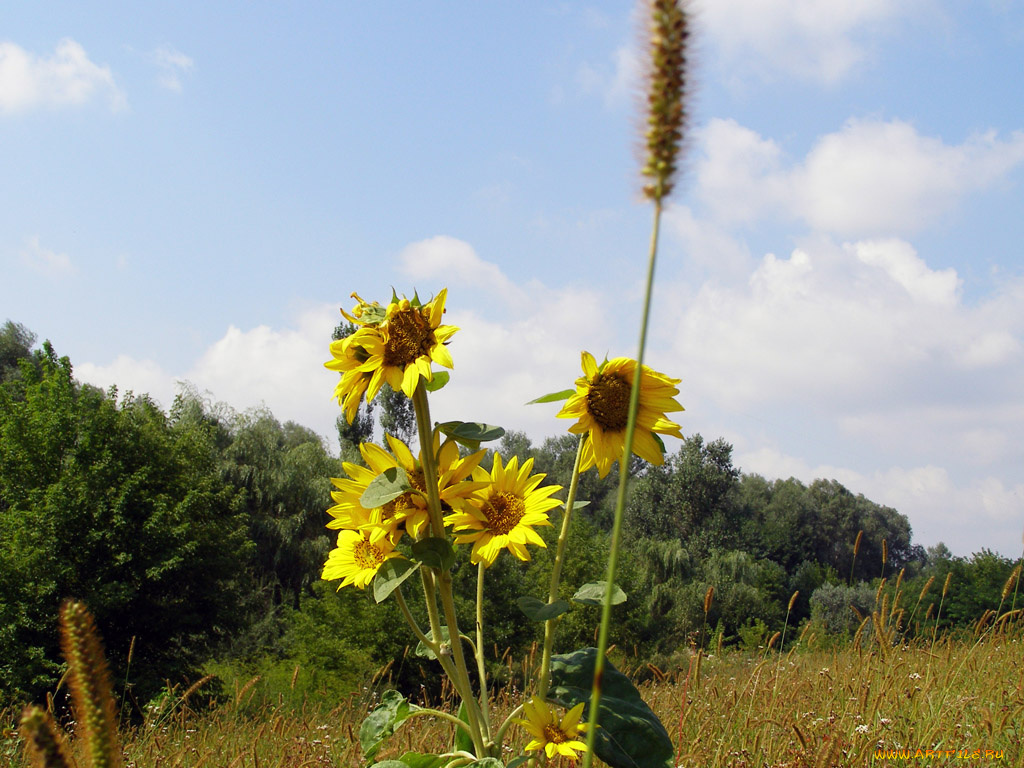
x=792 y=600
x=707 y=599
x=89 y=681
x=43 y=742
x=885 y=552
x=856 y=544
x=1014 y=575
x=666 y=95
x=925 y=588
x=945 y=586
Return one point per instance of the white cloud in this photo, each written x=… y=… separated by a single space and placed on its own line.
x=172 y=64
x=46 y=262
x=67 y=78
x=617 y=81
x=816 y=40
x=870 y=178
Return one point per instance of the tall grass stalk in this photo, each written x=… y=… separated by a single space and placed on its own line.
x=665 y=118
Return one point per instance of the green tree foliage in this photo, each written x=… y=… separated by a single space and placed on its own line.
x=16 y=343
x=108 y=502
x=283 y=473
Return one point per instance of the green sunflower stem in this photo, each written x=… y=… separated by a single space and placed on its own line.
x=556 y=575
x=480 y=668
x=441 y=580
x=620 y=500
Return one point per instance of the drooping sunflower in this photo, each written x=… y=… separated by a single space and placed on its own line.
x=601 y=404
x=349 y=359
x=554 y=736
x=501 y=515
x=408 y=512
x=356 y=559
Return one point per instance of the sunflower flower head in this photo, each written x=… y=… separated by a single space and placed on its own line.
x=407 y=513
x=395 y=344
x=356 y=559
x=601 y=407
x=555 y=736
x=502 y=513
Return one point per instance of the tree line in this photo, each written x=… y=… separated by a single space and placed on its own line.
x=196 y=536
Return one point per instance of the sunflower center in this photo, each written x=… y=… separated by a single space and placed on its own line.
x=408 y=336
x=553 y=734
x=367 y=555
x=608 y=401
x=504 y=511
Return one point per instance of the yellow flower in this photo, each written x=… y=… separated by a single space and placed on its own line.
x=549 y=733
x=348 y=358
x=601 y=404
x=502 y=514
x=408 y=511
x=356 y=559
x=395 y=344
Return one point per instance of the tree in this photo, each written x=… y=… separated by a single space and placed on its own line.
x=106 y=501
x=16 y=343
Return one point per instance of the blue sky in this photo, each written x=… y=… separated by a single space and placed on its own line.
x=191 y=190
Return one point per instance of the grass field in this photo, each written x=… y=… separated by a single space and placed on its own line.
x=954 y=701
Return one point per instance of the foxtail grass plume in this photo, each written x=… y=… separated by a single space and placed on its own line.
x=666 y=95
x=44 y=745
x=89 y=680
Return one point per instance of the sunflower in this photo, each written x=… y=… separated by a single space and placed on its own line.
x=502 y=514
x=356 y=559
x=349 y=359
x=601 y=404
x=549 y=733
x=408 y=511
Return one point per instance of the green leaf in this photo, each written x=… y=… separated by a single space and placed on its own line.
x=521 y=760
x=593 y=594
x=382 y=722
x=435 y=553
x=439 y=379
x=537 y=610
x=391 y=573
x=425 y=652
x=659 y=441
x=630 y=734
x=486 y=762
x=391 y=764
x=471 y=433
x=554 y=397
x=463 y=741
x=385 y=487
x=420 y=760
x=579 y=505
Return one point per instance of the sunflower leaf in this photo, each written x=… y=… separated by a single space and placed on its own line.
x=537 y=610
x=391 y=574
x=593 y=593
x=382 y=722
x=521 y=760
x=659 y=441
x=554 y=397
x=471 y=433
x=629 y=735
x=425 y=651
x=579 y=505
x=463 y=741
x=434 y=553
x=440 y=378
x=373 y=314
x=385 y=487
x=486 y=762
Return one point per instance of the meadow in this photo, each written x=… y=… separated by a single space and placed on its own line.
x=953 y=700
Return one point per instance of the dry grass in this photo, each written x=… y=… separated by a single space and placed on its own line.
x=804 y=707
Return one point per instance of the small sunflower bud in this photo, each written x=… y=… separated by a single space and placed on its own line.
x=666 y=107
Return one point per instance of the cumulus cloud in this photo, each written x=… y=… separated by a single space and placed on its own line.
x=870 y=178
x=816 y=40
x=172 y=64
x=66 y=78
x=44 y=261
